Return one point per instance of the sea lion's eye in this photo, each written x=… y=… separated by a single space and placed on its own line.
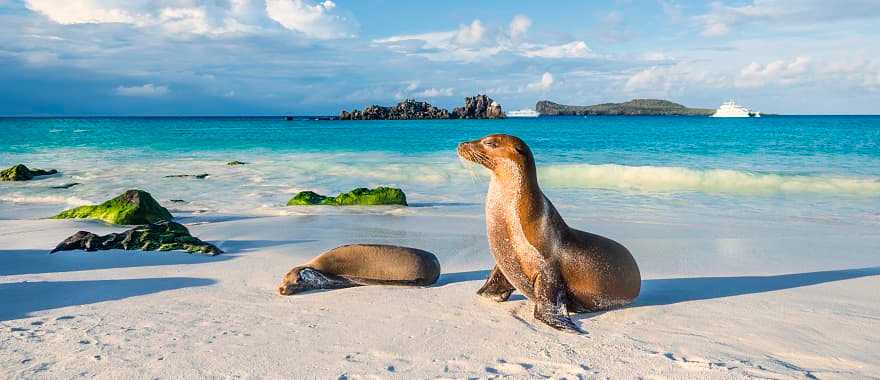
x=491 y=143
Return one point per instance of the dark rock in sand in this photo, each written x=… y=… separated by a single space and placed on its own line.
x=478 y=107
x=178 y=201
x=22 y=173
x=360 y=196
x=65 y=186
x=235 y=163
x=132 y=207
x=196 y=176
x=162 y=236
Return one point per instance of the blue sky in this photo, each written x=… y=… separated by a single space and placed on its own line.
x=270 y=57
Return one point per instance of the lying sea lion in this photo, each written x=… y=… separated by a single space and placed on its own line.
x=557 y=267
x=363 y=264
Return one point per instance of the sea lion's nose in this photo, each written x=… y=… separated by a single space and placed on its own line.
x=284 y=290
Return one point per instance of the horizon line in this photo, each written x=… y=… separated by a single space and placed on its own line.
x=48 y=116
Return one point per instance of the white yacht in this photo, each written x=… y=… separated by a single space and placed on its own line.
x=523 y=113
x=731 y=109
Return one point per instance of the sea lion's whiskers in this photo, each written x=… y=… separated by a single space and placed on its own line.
x=481 y=157
x=469 y=166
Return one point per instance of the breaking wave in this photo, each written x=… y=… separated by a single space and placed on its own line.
x=43 y=199
x=677 y=179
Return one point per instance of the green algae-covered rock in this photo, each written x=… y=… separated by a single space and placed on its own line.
x=308 y=198
x=22 y=173
x=360 y=196
x=132 y=207
x=162 y=236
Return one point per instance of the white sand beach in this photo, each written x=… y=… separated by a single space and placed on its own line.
x=722 y=299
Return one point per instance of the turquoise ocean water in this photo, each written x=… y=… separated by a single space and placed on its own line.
x=786 y=169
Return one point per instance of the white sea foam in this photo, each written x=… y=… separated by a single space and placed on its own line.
x=264 y=185
x=677 y=179
x=43 y=199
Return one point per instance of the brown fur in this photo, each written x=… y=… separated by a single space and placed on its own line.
x=365 y=264
x=558 y=266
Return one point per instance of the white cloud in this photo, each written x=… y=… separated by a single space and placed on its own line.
x=203 y=17
x=721 y=18
x=473 y=42
x=858 y=72
x=543 y=84
x=470 y=35
x=661 y=80
x=781 y=72
x=649 y=78
x=434 y=92
x=519 y=26
x=412 y=91
x=437 y=46
x=574 y=49
x=312 y=20
x=147 y=90
x=171 y=16
x=85 y=12
x=684 y=77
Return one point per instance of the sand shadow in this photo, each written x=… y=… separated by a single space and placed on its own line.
x=29 y=261
x=668 y=291
x=236 y=246
x=451 y=278
x=22 y=298
x=190 y=218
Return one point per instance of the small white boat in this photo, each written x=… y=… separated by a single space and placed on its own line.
x=523 y=113
x=731 y=109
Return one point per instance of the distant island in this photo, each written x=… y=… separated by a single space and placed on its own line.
x=635 y=107
x=475 y=107
x=483 y=107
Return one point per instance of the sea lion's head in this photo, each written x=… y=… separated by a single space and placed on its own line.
x=499 y=153
x=301 y=279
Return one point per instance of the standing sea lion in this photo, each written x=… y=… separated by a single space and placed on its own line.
x=536 y=253
x=363 y=264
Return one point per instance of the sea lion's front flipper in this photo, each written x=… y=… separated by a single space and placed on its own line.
x=496 y=288
x=550 y=299
x=314 y=279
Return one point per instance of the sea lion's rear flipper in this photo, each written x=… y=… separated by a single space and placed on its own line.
x=550 y=297
x=575 y=307
x=496 y=288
